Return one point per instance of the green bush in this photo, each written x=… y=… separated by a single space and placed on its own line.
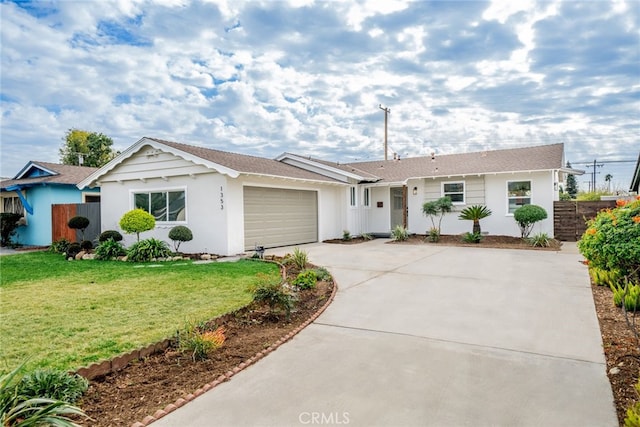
x=136 y=221
x=73 y=250
x=526 y=216
x=475 y=213
x=53 y=384
x=322 y=274
x=199 y=342
x=472 y=237
x=299 y=258
x=274 y=294
x=540 y=240
x=8 y=226
x=602 y=277
x=109 y=250
x=399 y=233
x=437 y=208
x=59 y=246
x=612 y=240
x=306 y=279
x=110 y=234
x=346 y=235
x=366 y=236
x=633 y=413
x=434 y=235
x=179 y=234
x=147 y=250
x=86 y=245
x=590 y=196
x=628 y=294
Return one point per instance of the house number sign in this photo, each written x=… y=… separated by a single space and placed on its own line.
x=221 y=198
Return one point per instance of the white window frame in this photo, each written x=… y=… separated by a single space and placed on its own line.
x=12 y=197
x=509 y=198
x=161 y=190
x=353 y=199
x=464 y=191
x=366 y=197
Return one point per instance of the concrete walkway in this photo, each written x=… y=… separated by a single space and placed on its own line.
x=430 y=336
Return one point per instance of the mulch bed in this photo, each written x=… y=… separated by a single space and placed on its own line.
x=148 y=385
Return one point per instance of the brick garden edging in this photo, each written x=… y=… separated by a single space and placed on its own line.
x=243 y=365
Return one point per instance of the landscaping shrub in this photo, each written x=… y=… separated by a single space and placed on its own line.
x=299 y=258
x=109 y=250
x=306 y=279
x=471 y=237
x=8 y=226
x=612 y=240
x=633 y=413
x=526 y=216
x=366 y=236
x=475 y=213
x=434 y=235
x=53 y=384
x=59 y=246
x=322 y=274
x=437 y=208
x=399 y=233
x=200 y=343
x=628 y=294
x=540 y=240
x=179 y=234
x=79 y=223
x=86 y=245
x=136 y=221
x=602 y=277
x=346 y=235
x=73 y=250
x=273 y=293
x=110 y=234
x=147 y=250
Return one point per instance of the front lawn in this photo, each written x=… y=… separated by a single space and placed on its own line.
x=62 y=314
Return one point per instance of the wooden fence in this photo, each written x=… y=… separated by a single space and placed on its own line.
x=62 y=213
x=570 y=217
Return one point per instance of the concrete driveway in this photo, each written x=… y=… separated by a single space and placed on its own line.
x=430 y=336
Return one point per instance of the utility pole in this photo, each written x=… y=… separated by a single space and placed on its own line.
x=386 y=114
x=593 y=178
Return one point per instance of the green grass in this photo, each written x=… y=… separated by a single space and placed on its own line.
x=62 y=314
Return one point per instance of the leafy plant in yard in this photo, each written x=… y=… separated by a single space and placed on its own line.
x=8 y=226
x=73 y=250
x=346 y=235
x=526 y=216
x=109 y=249
x=147 y=250
x=633 y=413
x=86 y=245
x=79 y=223
x=52 y=384
x=17 y=410
x=603 y=277
x=300 y=258
x=399 y=233
x=366 y=236
x=540 y=240
x=471 y=237
x=437 y=208
x=179 y=234
x=200 y=343
x=627 y=296
x=59 y=246
x=475 y=213
x=137 y=221
x=273 y=293
x=110 y=234
x=322 y=274
x=434 y=235
x=306 y=279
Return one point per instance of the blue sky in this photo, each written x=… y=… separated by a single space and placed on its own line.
x=264 y=77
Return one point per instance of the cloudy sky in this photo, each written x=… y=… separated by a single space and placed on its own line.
x=264 y=77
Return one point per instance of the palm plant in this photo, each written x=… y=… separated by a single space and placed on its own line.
x=437 y=208
x=475 y=213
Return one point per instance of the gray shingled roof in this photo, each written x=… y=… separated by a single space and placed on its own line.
x=65 y=174
x=246 y=164
x=544 y=157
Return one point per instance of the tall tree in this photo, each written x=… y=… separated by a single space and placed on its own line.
x=608 y=178
x=572 y=184
x=86 y=148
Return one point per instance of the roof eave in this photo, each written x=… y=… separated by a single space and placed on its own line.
x=28 y=166
x=308 y=161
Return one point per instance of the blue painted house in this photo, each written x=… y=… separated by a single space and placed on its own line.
x=33 y=191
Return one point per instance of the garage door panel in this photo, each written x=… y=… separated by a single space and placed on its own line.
x=279 y=217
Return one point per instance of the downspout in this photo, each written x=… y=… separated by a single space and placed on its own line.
x=23 y=199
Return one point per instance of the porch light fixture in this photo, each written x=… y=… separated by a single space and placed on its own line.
x=415 y=191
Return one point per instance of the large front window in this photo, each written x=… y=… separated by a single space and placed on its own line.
x=12 y=204
x=455 y=191
x=166 y=206
x=518 y=194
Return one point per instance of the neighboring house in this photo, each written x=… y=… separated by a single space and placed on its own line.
x=233 y=202
x=33 y=191
x=635 y=182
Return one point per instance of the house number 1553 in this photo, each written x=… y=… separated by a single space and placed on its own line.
x=221 y=199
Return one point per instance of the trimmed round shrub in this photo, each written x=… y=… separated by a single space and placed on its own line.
x=110 y=234
x=73 y=250
x=86 y=245
x=52 y=384
x=147 y=250
x=526 y=216
x=136 y=221
x=179 y=234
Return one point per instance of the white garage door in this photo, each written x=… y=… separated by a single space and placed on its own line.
x=277 y=217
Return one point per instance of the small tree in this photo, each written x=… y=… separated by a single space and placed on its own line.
x=572 y=185
x=437 y=208
x=475 y=213
x=79 y=223
x=179 y=234
x=8 y=226
x=526 y=216
x=136 y=221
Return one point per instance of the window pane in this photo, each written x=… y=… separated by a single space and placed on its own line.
x=456 y=197
x=455 y=187
x=352 y=195
x=515 y=203
x=159 y=206
x=520 y=188
x=142 y=201
x=176 y=206
x=366 y=197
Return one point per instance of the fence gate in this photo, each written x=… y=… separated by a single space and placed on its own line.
x=62 y=213
x=570 y=217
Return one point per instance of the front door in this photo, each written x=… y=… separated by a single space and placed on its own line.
x=397 y=207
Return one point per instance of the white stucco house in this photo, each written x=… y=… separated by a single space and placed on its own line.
x=233 y=202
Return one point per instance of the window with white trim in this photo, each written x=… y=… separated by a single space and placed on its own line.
x=12 y=204
x=165 y=206
x=455 y=191
x=518 y=194
x=366 y=198
x=352 y=196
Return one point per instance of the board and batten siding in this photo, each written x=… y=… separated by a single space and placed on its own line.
x=473 y=188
